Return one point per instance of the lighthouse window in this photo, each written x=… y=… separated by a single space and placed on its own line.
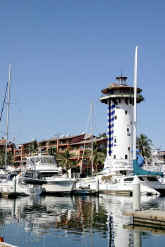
x=126 y=112
x=115 y=117
x=127 y=129
x=126 y=156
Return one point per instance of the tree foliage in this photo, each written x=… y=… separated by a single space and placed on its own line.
x=96 y=157
x=65 y=160
x=99 y=156
x=144 y=145
x=2 y=158
x=33 y=147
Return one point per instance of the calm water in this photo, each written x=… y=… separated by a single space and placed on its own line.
x=74 y=221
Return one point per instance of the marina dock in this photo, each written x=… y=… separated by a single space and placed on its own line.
x=148 y=218
x=153 y=230
x=117 y=192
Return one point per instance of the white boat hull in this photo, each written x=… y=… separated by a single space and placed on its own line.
x=117 y=184
x=59 y=185
x=10 y=187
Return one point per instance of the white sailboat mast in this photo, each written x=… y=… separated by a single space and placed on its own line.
x=92 y=127
x=135 y=98
x=7 y=115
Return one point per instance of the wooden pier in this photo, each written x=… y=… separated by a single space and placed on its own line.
x=148 y=218
x=117 y=192
x=153 y=230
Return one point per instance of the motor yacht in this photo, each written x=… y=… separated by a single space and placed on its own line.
x=56 y=180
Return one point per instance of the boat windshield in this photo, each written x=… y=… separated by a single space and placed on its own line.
x=152 y=179
x=128 y=179
x=47 y=174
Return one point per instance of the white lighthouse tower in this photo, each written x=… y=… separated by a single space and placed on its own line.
x=119 y=98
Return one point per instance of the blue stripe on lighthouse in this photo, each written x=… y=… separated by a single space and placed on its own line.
x=110 y=119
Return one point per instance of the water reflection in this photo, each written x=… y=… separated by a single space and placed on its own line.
x=100 y=218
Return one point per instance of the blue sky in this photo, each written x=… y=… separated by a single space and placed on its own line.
x=63 y=52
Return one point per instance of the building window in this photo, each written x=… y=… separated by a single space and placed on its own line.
x=126 y=156
x=115 y=117
x=114 y=156
x=126 y=112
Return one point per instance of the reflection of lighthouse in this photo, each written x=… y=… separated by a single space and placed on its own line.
x=119 y=98
x=118 y=235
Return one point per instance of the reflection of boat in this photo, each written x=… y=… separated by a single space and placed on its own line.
x=90 y=218
x=56 y=180
x=37 y=214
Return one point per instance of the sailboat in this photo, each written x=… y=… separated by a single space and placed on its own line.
x=121 y=170
x=83 y=185
x=11 y=185
x=89 y=140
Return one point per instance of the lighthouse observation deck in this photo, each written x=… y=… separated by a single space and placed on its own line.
x=119 y=91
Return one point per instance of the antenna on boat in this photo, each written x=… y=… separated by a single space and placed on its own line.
x=135 y=96
x=7 y=116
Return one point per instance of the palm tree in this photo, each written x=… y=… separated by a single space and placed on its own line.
x=33 y=147
x=99 y=156
x=65 y=160
x=52 y=151
x=2 y=158
x=144 y=145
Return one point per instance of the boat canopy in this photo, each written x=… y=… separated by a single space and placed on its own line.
x=137 y=167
